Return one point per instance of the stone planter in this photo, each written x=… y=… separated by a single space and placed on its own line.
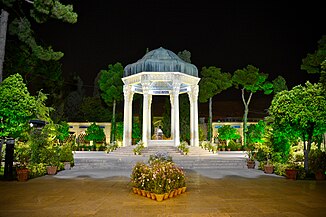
x=67 y=165
x=51 y=170
x=251 y=164
x=268 y=169
x=291 y=174
x=319 y=175
x=22 y=174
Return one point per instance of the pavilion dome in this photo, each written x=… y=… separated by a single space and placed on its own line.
x=160 y=60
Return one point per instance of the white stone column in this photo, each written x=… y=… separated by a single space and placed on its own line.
x=176 y=91
x=172 y=115
x=193 y=98
x=195 y=116
x=192 y=124
x=149 y=126
x=127 y=116
x=145 y=86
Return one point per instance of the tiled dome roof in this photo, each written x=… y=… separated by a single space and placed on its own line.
x=160 y=60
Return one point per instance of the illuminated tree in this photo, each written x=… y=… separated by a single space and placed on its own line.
x=213 y=81
x=302 y=112
x=20 y=26
x=18 y=107
x=111 y=89
x=227 y=133
x=250 y=81
x=95 y=133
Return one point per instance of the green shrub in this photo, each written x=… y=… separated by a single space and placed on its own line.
x=139 y=147
x=37 y=170
x=184 y=147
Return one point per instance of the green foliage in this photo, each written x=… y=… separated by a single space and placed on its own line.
x=119 y=133
x=302 y=109
x=74 y=101
x=111 y=84
x=279 y=84
x=37 y=170
x=213 y=81
x=256 y=132
x=22 y=154
x=65 y=153
x=226 y=132
x=40 y=11
x=184 y=147
x=92 y=110
x=139 y=148
x=17 y=106
x=300 y=112
x=136 y=134
x=251 y=80
x=313 y=62
x=111 y=147
x=95 y=133
x=184 y=118
x=317 y=160
x=166 y=122
x=111 y=89
x=38 y=74
x=185 y=56
x=50 y=155
x=63 y=131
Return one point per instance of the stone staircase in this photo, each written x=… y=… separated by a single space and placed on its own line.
x=170 y=150
x=124 y=158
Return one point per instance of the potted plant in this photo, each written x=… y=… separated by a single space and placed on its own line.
x=317 y=163
x=251 y=159
x=268 y=168
x=66 y=156
x=22 y=156
x=52 y=158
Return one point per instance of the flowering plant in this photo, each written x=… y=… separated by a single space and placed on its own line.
x=161 y=176
x=159 y=157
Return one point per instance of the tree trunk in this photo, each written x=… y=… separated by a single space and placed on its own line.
x=3 y=33
x=209 y=130
x=113 y=122
x=245 y=116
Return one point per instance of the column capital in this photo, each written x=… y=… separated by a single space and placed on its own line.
x=193 y=93
x=126 y=90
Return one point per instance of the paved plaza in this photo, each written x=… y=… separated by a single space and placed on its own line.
x=211 y=192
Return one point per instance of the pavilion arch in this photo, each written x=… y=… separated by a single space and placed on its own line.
x=161 y=72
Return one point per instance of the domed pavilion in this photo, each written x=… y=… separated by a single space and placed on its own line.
x=160 y=72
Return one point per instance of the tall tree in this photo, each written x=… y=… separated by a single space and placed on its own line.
x=185 y=56
x=213 y=81
x=111 y=87
x=301 y=110
x=312 y=62
x=74 y=101
x=250 y=80
x=20 y=26
x=279 y=84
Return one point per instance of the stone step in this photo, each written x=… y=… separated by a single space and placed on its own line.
x=186 y=162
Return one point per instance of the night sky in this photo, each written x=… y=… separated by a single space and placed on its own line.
x=273 y=36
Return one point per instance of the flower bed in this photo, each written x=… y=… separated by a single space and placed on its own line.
x=160 y=179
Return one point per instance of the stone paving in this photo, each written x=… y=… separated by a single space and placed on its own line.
x=210 y=192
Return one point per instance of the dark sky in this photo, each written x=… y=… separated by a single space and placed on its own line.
x=273 y=36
